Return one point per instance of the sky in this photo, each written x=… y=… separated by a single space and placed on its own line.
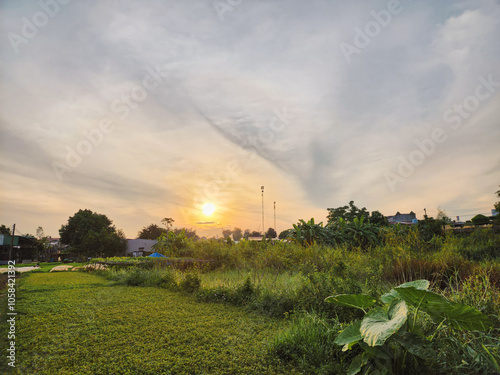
x=142 y=110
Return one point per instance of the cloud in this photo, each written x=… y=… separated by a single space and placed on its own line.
x=264 y=95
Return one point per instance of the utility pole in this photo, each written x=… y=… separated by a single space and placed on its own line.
x=274 y=215
x=12 y=242
x=425 y=213
x=263 y=228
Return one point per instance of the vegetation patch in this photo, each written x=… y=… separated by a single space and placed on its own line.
x=77 y=323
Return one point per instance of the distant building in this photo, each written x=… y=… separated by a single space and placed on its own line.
x=400 y=218
x=24 y=248
x=140 y=247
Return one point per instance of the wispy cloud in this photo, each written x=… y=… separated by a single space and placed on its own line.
x=264 y=96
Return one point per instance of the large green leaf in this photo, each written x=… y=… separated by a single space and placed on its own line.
x=379 y=352
x=392 y=295
x=465 y=317
x=349 y=336
x=356 y=364
x=416 y=345
x=459 y=316
x=378 y=325
x=360 y=301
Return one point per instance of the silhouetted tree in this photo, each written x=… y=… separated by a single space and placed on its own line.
x=271 y=233
x=151 y=232
x=91 y=234
x=237 y=234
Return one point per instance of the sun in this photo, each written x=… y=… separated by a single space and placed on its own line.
x=208 y=209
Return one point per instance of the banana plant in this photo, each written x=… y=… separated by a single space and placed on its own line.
x=389 y=332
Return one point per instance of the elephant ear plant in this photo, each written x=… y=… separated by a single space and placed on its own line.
x=389 y=331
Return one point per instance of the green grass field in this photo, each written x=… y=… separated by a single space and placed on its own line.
x=77 y=323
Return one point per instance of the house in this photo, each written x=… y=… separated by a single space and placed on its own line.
x=400 y=218
x=140 y=247
x=24 y=249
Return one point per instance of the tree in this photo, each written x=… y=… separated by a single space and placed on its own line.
x=246 y=234
x=151 y=232
x=90 y=234
x=226 y=233
x=271 y=233
x=285 y=234
x=480 y=220
x=497 y=205
x=348 y=213
x=42 y=244
x=168 y=222
x=442 y=215
x=237 y=234
x=189 y=233
x=4 y=230
x=378 y=219
x=255 y=234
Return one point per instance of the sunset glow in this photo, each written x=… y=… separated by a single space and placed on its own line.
x=208 y=209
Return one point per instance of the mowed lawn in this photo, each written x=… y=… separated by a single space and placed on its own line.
x=78 y=323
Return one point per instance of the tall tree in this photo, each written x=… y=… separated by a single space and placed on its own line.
x=237 y=234
x=246 y=234
x=91 y=234
x=226 y=233
x=168 y=222
x=497 y=205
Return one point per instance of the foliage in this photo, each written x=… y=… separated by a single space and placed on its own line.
x=285 y=234
x=226 y=233
x=307 y=233
x=237 y=234
x=4 y=230
x=378 y=219
x=347 y=213
x=480 y=220
x=271 y=233
x=168 y=222
x=430 y=227
x=91 y=234
x=170 y=242
x=497 y=204
x=390 y=335
x=357 y=233
x=151 y=232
